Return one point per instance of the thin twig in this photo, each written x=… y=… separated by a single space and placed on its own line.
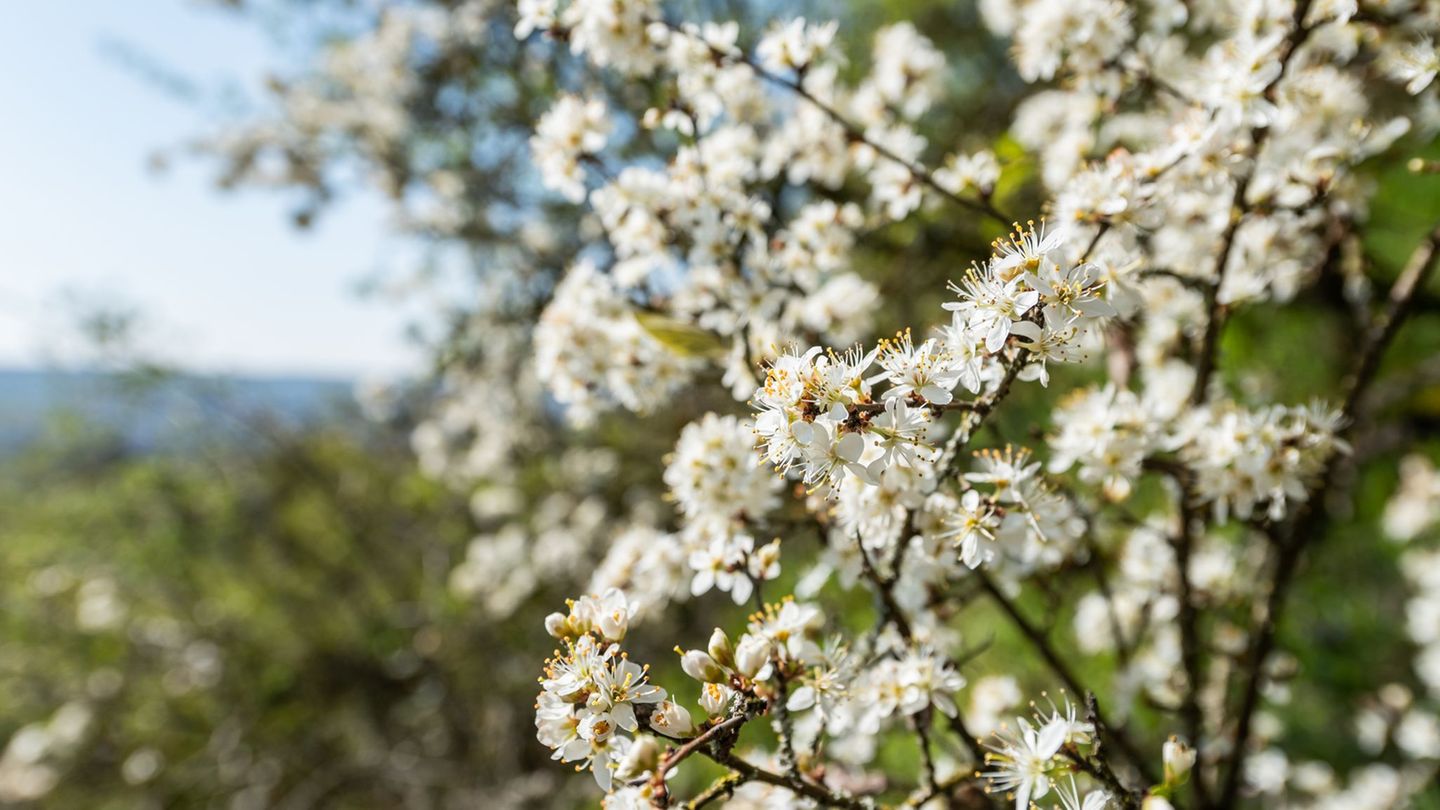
x=784 y=733
x=720 y=790
x=973 y=419
x=943 y=788
x=716 y=743
x=1183 y=542
x=694 y=744
x=803 y=787
x=1042 y=645
x=1095 y=765
x=921 y=723
x=1239 y=208
x=852 y=132
x=890 y=610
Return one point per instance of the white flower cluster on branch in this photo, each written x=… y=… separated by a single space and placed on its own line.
x=1201 y=164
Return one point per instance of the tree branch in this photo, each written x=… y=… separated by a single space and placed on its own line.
x=1293 y=538
x=1239 y=208
x=852 y=132
x=1042 y=645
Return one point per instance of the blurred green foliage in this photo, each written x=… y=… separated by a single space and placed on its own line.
x=268 y=616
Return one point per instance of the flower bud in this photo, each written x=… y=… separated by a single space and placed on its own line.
x=752 y=655
x=556 y=624
x=672 y=719
x=715 y=698
x=1153 y=802
x=721 y=649
x=582 y=615
x=764 y=563
x=642 y=758
x=1179 y=759
x=700 y=666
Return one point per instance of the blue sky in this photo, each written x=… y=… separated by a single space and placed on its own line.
x=224 y=282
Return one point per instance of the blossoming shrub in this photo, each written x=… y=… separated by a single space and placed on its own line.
x=1200 y=164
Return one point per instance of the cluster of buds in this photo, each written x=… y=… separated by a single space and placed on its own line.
x=780 y=641
x=606 y=616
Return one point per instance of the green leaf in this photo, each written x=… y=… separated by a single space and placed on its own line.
x=686 y=340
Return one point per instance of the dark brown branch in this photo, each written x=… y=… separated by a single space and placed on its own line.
x=784 y=732
x=1183 y=543
x=1189 y=621
x=723 y=788
x=1164 y=272
x=1293 y=537
x=890 y=610
x=973 y=419
x=948 y=787
x=696 y=743
x=921 y=723
x=953 y=405
x=716 y=743
x=803 y=787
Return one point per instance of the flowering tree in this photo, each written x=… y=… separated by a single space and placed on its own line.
x=1200 y=165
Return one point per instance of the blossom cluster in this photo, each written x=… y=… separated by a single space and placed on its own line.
x=721 y=493
x=592 y=693
x=1240 y=458
x=1035 y=756
x=821 y=414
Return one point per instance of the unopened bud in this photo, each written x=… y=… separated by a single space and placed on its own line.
x=1179 y=759
x=672 y=719
x=699 y=665
x=721 y=649
x=557 y=625
x=642 y=758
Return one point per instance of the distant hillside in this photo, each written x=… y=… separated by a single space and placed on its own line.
x=148 y=410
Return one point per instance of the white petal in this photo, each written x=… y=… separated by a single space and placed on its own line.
x=863 y=473
x=801 y=699
x=1026 y=329
x=601 y=769
x=936 y=394
x=803 y=432
x=1052 y=736
x=624 y=716
x=703 y=581
x=995 y=338
x=850 y=447
x=741 y=589
x=1022 y=796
